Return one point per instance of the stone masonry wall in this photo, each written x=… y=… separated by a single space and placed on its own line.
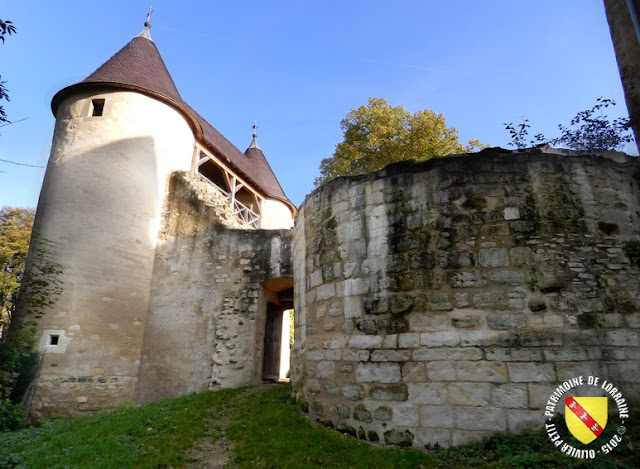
x=207 y=311
x=444 y=301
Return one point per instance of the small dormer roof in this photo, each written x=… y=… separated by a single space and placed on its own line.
x=138 y=66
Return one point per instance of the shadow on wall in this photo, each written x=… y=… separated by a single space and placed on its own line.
x=97 y=210
x=208 y=306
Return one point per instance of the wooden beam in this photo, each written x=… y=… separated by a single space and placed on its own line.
x=226 y=170
x=194 y=159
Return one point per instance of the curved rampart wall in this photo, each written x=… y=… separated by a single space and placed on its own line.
x=444 y=301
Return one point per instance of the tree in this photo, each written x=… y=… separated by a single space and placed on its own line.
x=589 y=132
x=17 y=355
x=15 y=232
x=378 y=134
x=6 y=28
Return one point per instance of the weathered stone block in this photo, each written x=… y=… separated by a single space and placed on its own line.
x=400 y=304
x=539 y=394
x=482 y=372
x=383 y=413
x=326 y=292
x=409 y=340
x=522 y=256
x=427 y=322
x=334 y=343
x=368 y=326
x=456 y=259
x=317 y=408
x=390 y=341
x=461 y=300
x=544 y=338
x=483 y=419
x=464 y=353
x=361 y=414
x=566 y=354
x=355 y=355
x=511 y=213
x=510 y=396
x=626 y=373
x=352 y=307
x=314 y=355
x=340 y=410
x=378 y=373
x=518 y=420
x=431 y=393
x=390 y=355
x=505 y=321
x=568 y=370
x=428 y=353
x=465 y=322
x=429 y=437
x=332 y=388
x=507 y=277
x=413 y=372
x=315 y=278
x=440 y=302
x=313 y=386
x=475 y=338
x=436 y=416
x=490 y=300
x=469 y=394
x=502 y=354
x=398 y=438
x=472 y=279
x=325 y=370
x=493 y=257
x=438 y=339
x=353 y=392
x=441 y=371
x=621 y=338
x=365 y=341
x=531 y=372
x=397 y=392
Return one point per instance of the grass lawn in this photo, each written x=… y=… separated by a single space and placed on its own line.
x=262 y=428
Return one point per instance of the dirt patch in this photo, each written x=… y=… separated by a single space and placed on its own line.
x=213 y=450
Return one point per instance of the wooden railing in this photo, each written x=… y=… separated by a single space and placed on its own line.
x=247 y=217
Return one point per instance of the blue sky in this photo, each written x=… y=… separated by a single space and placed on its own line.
x=298 y=67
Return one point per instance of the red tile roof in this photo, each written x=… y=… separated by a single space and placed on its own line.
x=139 y=66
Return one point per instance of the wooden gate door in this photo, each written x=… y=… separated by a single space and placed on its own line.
x=272 y=340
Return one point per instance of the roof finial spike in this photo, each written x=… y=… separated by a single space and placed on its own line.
x=254 y=142
x=147 y=26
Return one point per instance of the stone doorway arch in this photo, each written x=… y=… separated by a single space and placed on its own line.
x=278 y=293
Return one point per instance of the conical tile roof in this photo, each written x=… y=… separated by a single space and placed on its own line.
x=138 y=66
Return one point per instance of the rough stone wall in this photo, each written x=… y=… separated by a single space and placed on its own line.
x=205 y=325
x=627 y=47
x=444 y=301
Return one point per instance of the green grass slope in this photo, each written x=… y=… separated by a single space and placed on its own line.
x=262 y=428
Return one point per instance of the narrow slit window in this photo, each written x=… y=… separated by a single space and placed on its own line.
x=53 y=339
x=97 y=107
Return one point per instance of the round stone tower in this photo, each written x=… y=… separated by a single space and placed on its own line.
x=118 y=136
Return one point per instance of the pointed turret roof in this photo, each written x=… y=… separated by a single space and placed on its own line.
x=259 y=163
x=138 y=66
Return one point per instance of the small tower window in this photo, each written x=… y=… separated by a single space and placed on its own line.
x=97 y=107
x=53 y=339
